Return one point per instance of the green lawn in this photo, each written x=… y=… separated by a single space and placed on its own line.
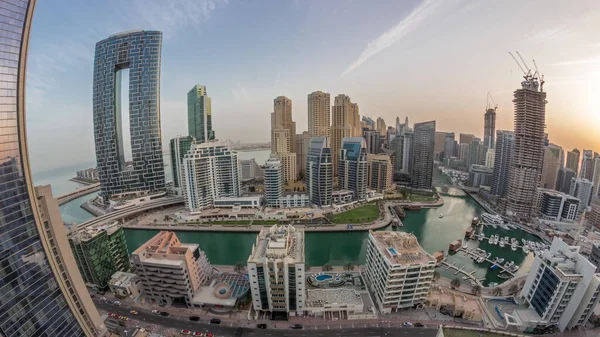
x=468 y=333
x=362 y=214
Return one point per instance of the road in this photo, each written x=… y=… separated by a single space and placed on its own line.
x=228 y=330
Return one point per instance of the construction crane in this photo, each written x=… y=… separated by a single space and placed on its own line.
x=488 y=105
x=539 y=75
x=525 y=73
x=531 y=78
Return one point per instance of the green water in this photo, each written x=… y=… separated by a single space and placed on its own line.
x=434 y=234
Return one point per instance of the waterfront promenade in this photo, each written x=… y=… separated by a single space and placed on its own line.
x=80 y=192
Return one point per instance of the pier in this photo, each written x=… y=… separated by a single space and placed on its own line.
x=461 y=270
x=506 y=245
x=488 y=260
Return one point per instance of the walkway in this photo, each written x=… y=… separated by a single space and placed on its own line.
x=63 y=199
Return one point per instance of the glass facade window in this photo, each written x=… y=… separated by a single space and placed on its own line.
x=545 y=291
x=31 y=302
x=140 y=52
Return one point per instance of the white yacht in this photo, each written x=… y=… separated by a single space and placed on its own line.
x=481 y=237
x=501 y=242
x=493 y=219
x=525 y=249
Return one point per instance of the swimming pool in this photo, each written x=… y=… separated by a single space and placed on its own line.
x=323 y=277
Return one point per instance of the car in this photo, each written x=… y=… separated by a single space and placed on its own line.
x=155 y=312
x=296 y=326
x=93 y=296
x=261 y=326
x=185 y=332
x=117 y=303
x=419 y=325
x=110 y=314
x=215 y=321
x=164 y=313
x=103 y=299
x=199 y=334
x=194 y=318
x=407 y=324
x=133 y=312
x=125 y=318
x=117 y=316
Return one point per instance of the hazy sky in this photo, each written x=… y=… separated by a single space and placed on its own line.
x=421 y=59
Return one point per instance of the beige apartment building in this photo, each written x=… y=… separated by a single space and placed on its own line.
x=64 y=266
x=319 y=114
x=345 y=123
x=302 y=145
x=171 y=271
x=379 y=172
x=283 y=136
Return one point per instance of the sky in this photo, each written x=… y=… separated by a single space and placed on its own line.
x=428 y=60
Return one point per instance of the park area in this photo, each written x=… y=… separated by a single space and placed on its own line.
x=362 y=214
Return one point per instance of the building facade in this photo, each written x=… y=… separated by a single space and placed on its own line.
x=528 y=157
x=379 y=172
x=35 y=297
x=563 y=179
x=573 y=160
x=489 y=128
x=557 y=206
x=283 y=136
x=596 y=178
x=178 y=148
x=140 y=52
x=319 y=172
x=302 y=144
x=273 y=180
x=552 y=163
x=211 y=171
x=344 y=123
x=89 y=175
x=480 y=175
x=594 y=216
x=465 y=138
x=352 y=168
x=199 y=113
x=319 y=114
x=581 y=189
x=587 y=165
x=170 y=271
x=100 y=251
x=398 y=270
x=373 y=141
x=423 y=144
x=249 y=170
x=276 y=270
x=450 y=145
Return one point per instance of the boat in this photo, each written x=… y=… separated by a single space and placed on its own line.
x=494 y=267
x=481 y=237
x=475 y=221
x=504 y=226
x=524 y=241
x=441 y=216
x=501 y=242
x=491 y=240
x=465 y=278
x=465 y=246
x=496 y=237
x=493 y=284
x=513 y=247
x=504 y=276
x=493 y=219
x=525 y=249
x=500 y=260
x=489 y=255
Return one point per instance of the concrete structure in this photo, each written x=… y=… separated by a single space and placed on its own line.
x=236 y=203
x=373 y=141
x=288 y=164
x=352 y=167
x=526 y=163
x=276 y=270
x=465 y=138
x=422 y=168
x=480 y=175
x=380 y=126
x=556 y=206
x=563 y=179
x=561 y=289
x=439 y=144
x=552 y=163
x=379 y=172
x=125 y=285
x=178 y=148
x=342 y=196
x=100 y=251
x=476 y=153
x=140 y=52
x=69 y=283
x=594 y=216
x=581 y=189
x=90 y=175
x=249 y=170
x=293 y=201
x=319 y=114
x=335 y=304
x=464 y=153
x=490 y=156
x=573 y=160
x=489 y=128
x=587 y=165
x=456 y=304
x=170 y=271
x=319 y=172
x=449 y=145
x=199 y=114
x=302 y=145
x=273 y=181
x=211 y=172
x=408 y=149
x=283 y=136
x=398 y=271
x=344 y=123
x=596 y=178
x=223 y=292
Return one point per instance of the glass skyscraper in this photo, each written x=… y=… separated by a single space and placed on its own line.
x=31 y=300
x=319 y=172
x=140 y=52
x=179 y=147
x=352 y=167
x=199 y=114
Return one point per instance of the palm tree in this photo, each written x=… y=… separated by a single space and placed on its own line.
x=497 y=291
x=327 y=267
x=238 y=268
x=436 y=275
x=349 y=267
x=514 y=289
x=455 y=283
x=476 y=290
x=307 y=267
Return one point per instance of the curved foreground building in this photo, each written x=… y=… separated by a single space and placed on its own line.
x=40 y=293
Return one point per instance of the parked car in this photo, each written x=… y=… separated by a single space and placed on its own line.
x=296 y=326
x=199 y=334
x=164 y=313
x=261 y=326
x=215 y=321
x=125 y=318
x=419 y=325
x=155 y=312
x=103 y=299
x=194 y=318
x=185 y=332
x=407 y=324
x=110 y=314
x=133 y=312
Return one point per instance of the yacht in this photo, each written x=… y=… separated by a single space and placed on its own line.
x=502 y=242
x=441 y=216
x=493 y=219
x=491 y=240
x=504 y=226
x=513 y=247
x=524 y=241
x=481 y=237
x=525 y=249
x=496 y=237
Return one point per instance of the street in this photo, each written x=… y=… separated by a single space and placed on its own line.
x=228 y=329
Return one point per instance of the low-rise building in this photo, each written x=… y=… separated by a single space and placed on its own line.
x=254 y=201
x=343 y=196
x=100 y=251
x=293 y=201
x=339 y=302
x=276 y=271
x=89 y=175
x=124 y=285
x=561 y=290
x=398 y=270
x=171 y=271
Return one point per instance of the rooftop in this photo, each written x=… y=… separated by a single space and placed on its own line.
x=88 y=233
x=316 y=298
x=278 y=242
x=122 y=279
x=399 y=247
x=164 y=245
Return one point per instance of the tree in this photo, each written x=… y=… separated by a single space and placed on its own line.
x=238 y=268
x=403 y=192
x=514 y=289
x=327 y=267
x=497 y=291
x=436 y=275
x=455 y=283
x=349 y=267
x=476 y=290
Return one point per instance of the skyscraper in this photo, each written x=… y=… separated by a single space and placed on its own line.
x=273 y=180
x=319 y=172
x=476 y=153
x=344 y=123
x=373 y=139
x=178 y=148
x=422 y=169
x=319 y=114
x=573 y=160
x=449 y=145
x=563 y=179
x=489 y=128
x=302 y=144
x=587 y=165
x=379 y=172
x=596 y=178
x=581 y=189
x=465 y=138
x=505 y=143
x=199 y=114
x=551 y=165
x=526 y=164
x=352 y=168
x=440 y=143
x=381 y=127
x=283 y=136
x=140 y=52
x=36 y=298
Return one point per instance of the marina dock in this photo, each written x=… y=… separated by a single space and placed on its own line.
x=489 y=261
x=461 y=270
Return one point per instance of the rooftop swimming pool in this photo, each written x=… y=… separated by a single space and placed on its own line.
x=323 y=277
